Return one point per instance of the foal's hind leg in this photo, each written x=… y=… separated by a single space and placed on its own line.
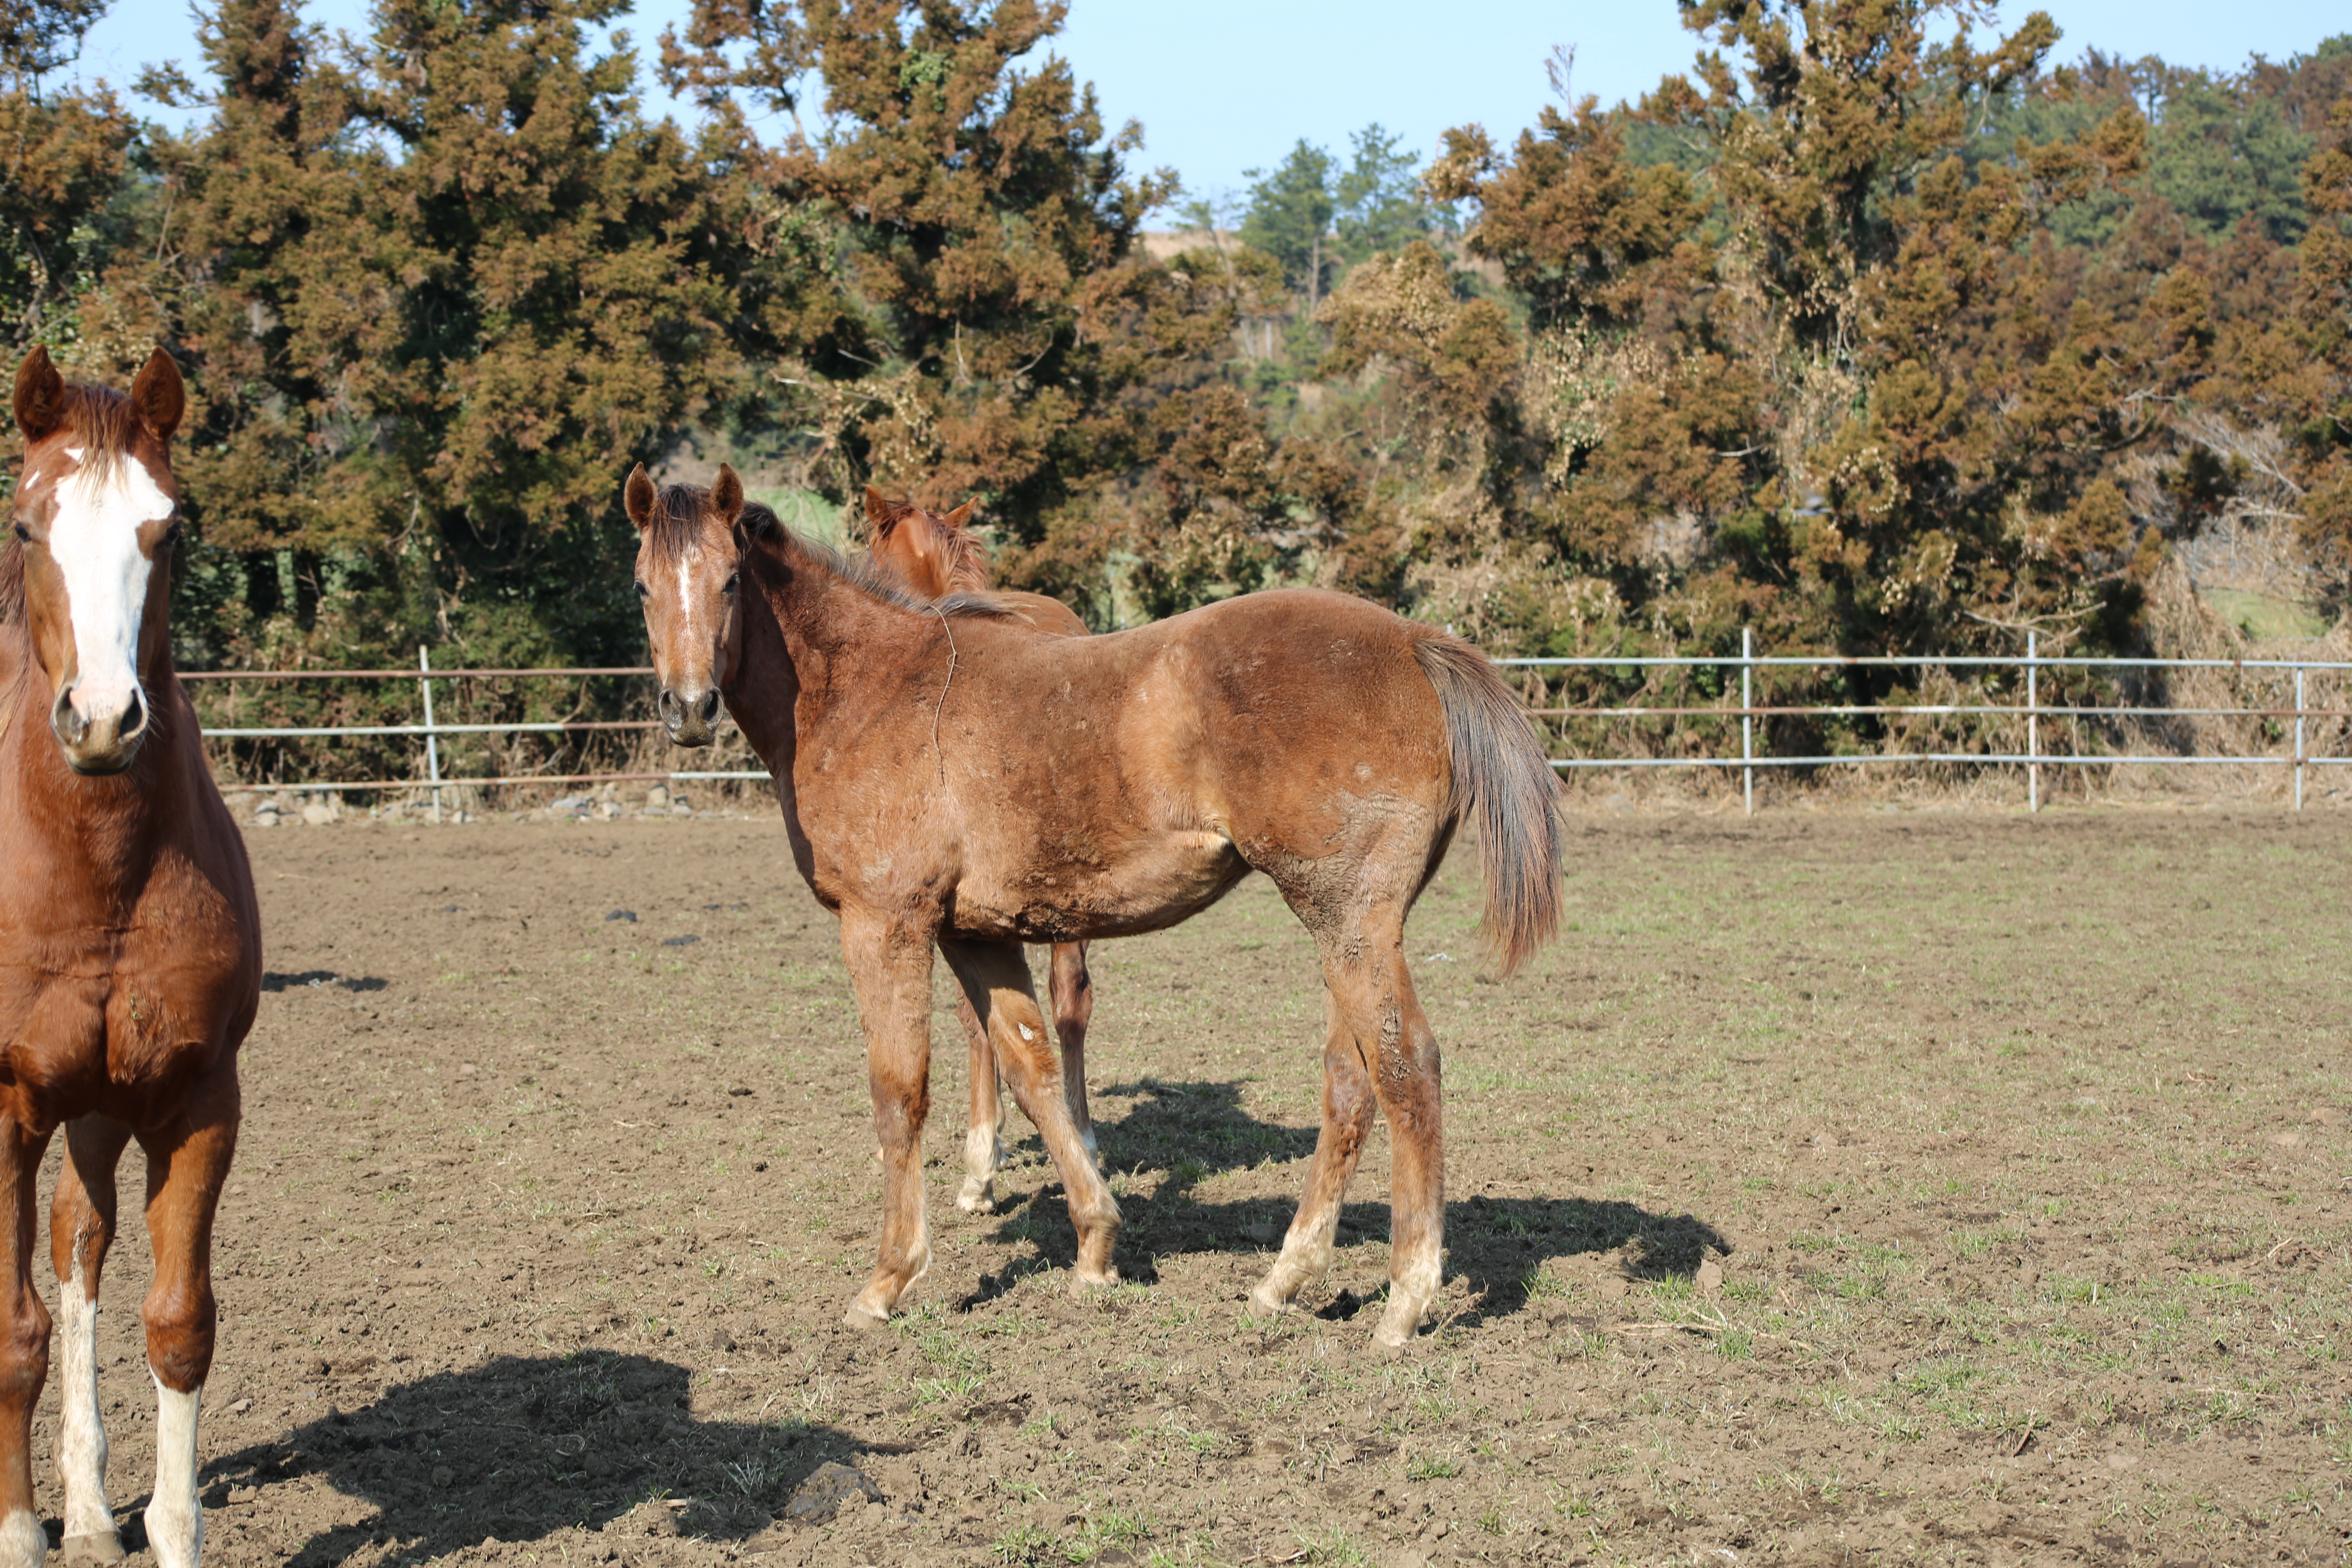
x=24 y=1349
x=81 y=1228
x=995 y=976
x=1347 y=1105
x=890 y=965
x=984 y=1139
x=1371 y=1001
x=1072 y=993
x=1383 y=1006
x=188 y=1160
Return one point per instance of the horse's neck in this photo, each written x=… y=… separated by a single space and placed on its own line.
x=835 y=635
x=105 y=832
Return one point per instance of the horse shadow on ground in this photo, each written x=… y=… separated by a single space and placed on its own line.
x=1495 y=1247
x=523 y=1446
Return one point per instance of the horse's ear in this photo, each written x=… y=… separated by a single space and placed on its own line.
x=880 y=516
x=158 y=396
x=726 y=496
x=962 y=516
x=40 y=396
x=639 y=497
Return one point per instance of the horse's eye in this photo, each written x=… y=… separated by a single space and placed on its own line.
x=644 y=592
x=24 y=533
x=172 y=535
x=732 y=578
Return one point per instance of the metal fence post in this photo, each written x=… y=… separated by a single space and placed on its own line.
x=432 y=745
x=2032 y=723
x=1747 y=717
x=2298 y=737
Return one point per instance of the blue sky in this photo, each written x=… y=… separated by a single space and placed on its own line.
x=1221 y=86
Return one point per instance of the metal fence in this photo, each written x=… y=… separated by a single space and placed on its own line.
x=2294 y=753
x=433 y=782
x=2031 y=711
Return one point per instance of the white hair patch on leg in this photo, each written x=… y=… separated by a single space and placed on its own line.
x=23 y=1541
x=81 y=1435
x=175 y=1520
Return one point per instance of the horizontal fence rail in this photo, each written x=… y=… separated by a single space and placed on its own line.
x=2029 y=710
x=2032 y=711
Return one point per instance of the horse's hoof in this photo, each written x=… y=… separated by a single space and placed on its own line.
x=1087 y=1284
x=1392 y=1337
x=98 y=1546
x=861 y=1316
x=1265 y=1304
x=977 y=1198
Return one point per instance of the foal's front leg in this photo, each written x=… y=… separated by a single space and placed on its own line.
x=890 y=965
x=81 y=1228
x=984 y=1141
x=24 y=1347
x=1073 y=992
x=187 y=1161
x=995 y=976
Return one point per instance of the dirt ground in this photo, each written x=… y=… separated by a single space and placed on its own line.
x=1874 y=1186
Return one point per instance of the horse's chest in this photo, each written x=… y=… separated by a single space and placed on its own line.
x=94 y=1004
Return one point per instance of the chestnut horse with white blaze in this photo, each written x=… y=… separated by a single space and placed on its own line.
x=1104 y=786
x=937 y=556
x=129 y=945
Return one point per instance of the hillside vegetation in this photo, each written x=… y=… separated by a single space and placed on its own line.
x=1875 y=330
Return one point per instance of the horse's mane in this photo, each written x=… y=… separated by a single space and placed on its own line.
x=967 y=560
x=105 y=421
x=677 y=523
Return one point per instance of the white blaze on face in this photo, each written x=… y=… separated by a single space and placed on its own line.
x=94 y=540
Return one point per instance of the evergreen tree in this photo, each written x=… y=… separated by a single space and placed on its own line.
x=64 y=155
x=1378 y=202
x=1289 y=218
x=1012 y=340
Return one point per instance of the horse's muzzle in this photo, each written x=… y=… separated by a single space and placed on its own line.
x=100 y=742
x=689 y=717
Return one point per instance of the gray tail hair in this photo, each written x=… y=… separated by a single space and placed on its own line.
x=1503 y=783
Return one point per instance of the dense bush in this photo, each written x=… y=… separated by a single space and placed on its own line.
x=1863 y=333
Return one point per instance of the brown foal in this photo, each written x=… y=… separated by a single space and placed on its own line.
x=937 y=556
x=1104 y=786
x=129 y=945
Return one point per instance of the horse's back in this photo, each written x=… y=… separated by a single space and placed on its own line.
x=1161 y=763
x=1283 y=703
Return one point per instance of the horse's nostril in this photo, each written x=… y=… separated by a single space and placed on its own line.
x=666 y=705
x=66 y=720
x=134 y=717
x=710 y=707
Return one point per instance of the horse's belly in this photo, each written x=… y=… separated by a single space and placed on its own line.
x=1167 y=879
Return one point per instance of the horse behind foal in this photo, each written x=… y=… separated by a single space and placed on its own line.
x=936 y=556
x=130 y=946
x=1107 y=786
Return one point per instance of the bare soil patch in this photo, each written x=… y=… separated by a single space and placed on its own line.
x=1878 y=1186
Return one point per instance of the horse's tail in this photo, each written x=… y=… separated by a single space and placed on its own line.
x=1502 y=781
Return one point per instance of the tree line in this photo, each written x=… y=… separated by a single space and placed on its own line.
x=1870 y=330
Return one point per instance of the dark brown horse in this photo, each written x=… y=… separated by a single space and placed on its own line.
x=129 y=945
x=1104 y=786
x=936 y=556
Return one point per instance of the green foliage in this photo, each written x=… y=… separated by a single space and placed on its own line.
x=1869 y=331
x=1289 y=215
